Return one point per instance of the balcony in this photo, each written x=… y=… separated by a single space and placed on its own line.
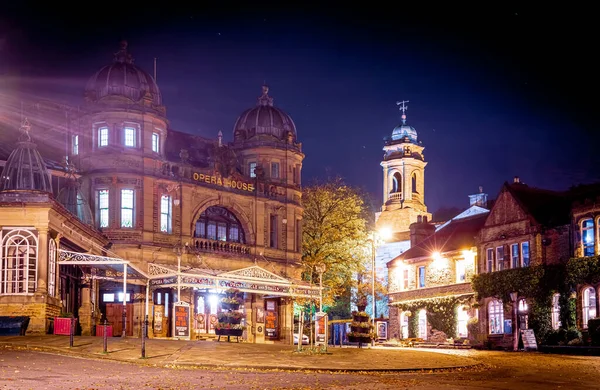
x=206 y=245
x=395 y=196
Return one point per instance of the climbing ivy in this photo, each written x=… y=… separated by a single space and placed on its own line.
x=441 y=313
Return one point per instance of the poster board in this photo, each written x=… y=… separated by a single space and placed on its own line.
x=159 y=311
x=181 y=320
x=528 y=338
x=382 y=330
x=320 y=328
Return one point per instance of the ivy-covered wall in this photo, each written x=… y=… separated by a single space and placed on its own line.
x=441 y=313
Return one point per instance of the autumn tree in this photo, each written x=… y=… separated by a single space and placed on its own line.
x=334 y=234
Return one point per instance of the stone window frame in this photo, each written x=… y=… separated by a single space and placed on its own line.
x=495 y=309
x=594 y=230
x=133 y=207
x=8 y=237
x=588 y=308
x=168 y=215
x=99 y=209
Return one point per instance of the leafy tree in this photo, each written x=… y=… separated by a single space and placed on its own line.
x=334 y=234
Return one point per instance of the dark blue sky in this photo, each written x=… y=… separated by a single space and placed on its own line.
x=494 y=92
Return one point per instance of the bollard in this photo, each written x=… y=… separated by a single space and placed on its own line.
x=105 y=338
x=144 y=326
x=71 y=331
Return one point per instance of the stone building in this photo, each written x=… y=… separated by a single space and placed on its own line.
x=403 y=195
x=138 y=211
x=526 y=226
x=437 y=268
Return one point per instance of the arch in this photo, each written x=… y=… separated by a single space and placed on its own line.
x=414 y=183
x=396 y=182
x=18 y=265
x=220 y=224
x=236 y=210
x=588 y=305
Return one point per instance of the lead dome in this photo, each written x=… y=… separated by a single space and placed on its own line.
x=264 y=119
x=123 y=78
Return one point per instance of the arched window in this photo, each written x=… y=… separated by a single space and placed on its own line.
x=462 y=317
x=18 y=267
x=589 y=305
x=218 y=223
x=414 y=183
x=496 y=317
x=423 y=324
x=397 y=182
x=588 y=237
x=556 y=312
x=51 y=267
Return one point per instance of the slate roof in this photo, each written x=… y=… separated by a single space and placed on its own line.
x=546 y=207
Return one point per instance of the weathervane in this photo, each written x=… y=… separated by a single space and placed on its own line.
x=403 y=109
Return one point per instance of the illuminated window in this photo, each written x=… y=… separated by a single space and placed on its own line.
x=219 y=222
x=155 y=142
x=127 y=208
x=500 y=258
x=165 y=214
x=75 y=144
x=589 y=305
x=462 y=317
x=103 y=207
x=18 y=265
x=103 y=136
x=588 y=237
x=514 y=255
x=130 y=137
x=556 y=312
x=525 y=253
x=496 y=317
x=421 y=277
x=251 y=169
x=51 y=267
x=460 y=271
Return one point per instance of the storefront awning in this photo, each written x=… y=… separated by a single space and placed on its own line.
x=108 y=267
x=252 y=279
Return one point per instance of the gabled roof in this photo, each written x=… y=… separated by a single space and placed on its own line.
x=458 y=234
x=548 y=208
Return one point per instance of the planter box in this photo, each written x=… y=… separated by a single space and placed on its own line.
x=229 y=332
x=100 y=330
x=62 y=326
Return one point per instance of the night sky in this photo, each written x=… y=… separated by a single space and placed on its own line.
x=494 y=92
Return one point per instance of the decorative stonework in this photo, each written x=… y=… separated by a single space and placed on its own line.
x=255 y=272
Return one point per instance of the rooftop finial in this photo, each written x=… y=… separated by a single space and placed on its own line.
x=265 y=99
x=122 y=55
x=25 y=128
x=403 y=109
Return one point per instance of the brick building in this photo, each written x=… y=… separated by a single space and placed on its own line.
x=119 y=207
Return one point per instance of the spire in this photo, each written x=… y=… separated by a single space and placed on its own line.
x=123 y=55
x=265 y=99
x=403 y=109
x=25 y=128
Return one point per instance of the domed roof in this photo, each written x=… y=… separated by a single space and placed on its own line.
x=72 y=198
x=123 y=78
x=25 y=168
x=403 y=130
x=264 y=119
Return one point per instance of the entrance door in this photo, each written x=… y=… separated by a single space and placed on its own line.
x=114 y=315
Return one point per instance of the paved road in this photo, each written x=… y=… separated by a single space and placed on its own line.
x=37 y=370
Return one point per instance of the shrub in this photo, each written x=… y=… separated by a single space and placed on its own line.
x=594 y=331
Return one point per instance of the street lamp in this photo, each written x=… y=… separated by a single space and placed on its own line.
x=320 y=268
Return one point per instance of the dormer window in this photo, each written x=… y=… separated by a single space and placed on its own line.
x=130 y=137
x=102 y=136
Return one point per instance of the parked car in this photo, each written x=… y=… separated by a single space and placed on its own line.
x=304 y=339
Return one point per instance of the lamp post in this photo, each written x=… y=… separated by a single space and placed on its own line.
x=513 y=297
x=320 y=268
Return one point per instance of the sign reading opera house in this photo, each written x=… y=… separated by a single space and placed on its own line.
x=115 y=233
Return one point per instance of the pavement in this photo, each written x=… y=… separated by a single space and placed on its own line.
x=231 y=355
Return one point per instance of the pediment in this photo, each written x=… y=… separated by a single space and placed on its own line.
x=254 y=273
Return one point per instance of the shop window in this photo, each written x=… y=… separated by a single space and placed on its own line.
x=18 y=268
x=496 y=317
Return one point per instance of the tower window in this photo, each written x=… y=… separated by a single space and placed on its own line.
x=130 y=137
x=165 y=214
x=252 y=169
x=103 y=207
x=155 y=142
x=397 y=182
x=103 y=136
x=127 y=208
x=75 y=143
x=414 y=183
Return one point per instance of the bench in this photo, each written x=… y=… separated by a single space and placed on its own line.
x=13 y=326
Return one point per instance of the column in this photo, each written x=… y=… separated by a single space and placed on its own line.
x=42 y=261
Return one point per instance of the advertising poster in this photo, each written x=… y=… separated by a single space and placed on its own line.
x=382 y=330
x=320 y=327
x=158 y=318
x=181 y=319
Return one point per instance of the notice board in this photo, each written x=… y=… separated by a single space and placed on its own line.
x=528 y=338
x=181 y=321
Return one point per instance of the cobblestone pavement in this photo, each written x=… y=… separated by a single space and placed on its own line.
x=25 y=369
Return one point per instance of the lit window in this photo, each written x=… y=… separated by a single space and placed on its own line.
x=127 y=208
x=275 y=170
x=460 y=271
x=589 y=305
x=103 y=207
x=587 y=236
x=218 y=223
x=155 y=142
x=51 y=267
x=75 y=143
x=496 y=317
x=525 y=253
x=556 y=312
x=490 y=260
x=500 y=258
x=514 y=254
x=130 y=137
x=18 y=265
x=421 y=277
x=127 y=297
x=103 y=136
x=106 y=297
x=251 y=169
x=165 y=214
x=462 y=318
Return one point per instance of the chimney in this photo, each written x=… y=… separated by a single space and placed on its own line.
x=479 y=199
x=420 y=231
x=516 y=179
